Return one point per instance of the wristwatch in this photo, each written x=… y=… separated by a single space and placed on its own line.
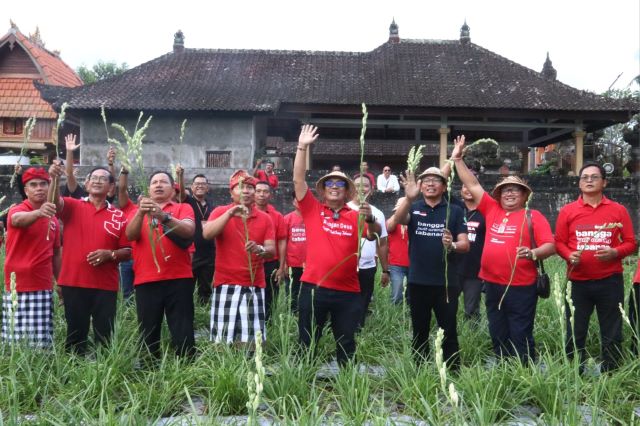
x=167 y=217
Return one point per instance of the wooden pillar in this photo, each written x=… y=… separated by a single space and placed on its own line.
x=524 y=151
x=444 y=137
x=579 y=135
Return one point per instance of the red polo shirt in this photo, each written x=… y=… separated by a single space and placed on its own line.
x=174 y=261
x=330 y=243
x=398 y=246
x=29 y=253
x=296 y=240
x=278 y=226
x=87 y=229
x=580 y=227
x=232 y=263
x=272 y=178
x=505 y=232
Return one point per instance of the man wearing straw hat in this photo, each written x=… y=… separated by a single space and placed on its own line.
x=35 y=260
x=245 y=237
x=508 y=264
x=330 y=279
x=436 y=232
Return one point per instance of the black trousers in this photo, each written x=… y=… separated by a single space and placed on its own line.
x=511 y=325
x=422 y=300
x=294 y=286
x=604 y=295
x=272 y=288
x=203 y=276
x=367 y=279
x=634 y=317
x=170 y=298
x=81 y=307
x=316 y=304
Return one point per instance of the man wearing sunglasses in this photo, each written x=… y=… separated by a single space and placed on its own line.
x=330 y=280
x=593 y=235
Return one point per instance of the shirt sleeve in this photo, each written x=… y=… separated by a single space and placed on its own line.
x=382 y=222
x=308 y=203
x=487 y=203
x=281 y=229
x=458 y=226
x=628 y=244
x=270 y=229
x=541 y=229
x=185 y=212
x=562 y=234
x=394 y=183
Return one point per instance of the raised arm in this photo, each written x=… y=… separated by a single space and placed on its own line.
x=123 y=188
x=111 y=158
x=465 y=175
x=308 y=135
x=182 y=195
x=55 y=171
x=70 y=143
x=411 y=192
x=257 y=167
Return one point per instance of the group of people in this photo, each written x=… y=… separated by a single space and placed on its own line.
x=329 y=249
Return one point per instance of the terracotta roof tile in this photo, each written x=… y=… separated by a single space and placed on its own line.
x=412 y=73
x=20 y=98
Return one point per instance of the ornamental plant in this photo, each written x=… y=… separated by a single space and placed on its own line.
x=30 y=124
x=54 y=180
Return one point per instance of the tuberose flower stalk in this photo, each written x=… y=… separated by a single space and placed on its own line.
x=446 y=226
x=54 y=180
x=361 y=196
x=29 y=125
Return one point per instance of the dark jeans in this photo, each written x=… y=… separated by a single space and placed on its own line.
x=422 y=300
x=472 y=291
x=293 y=286
x=173 y=298
x=511 y=326
x=634 y=317
x=203 y=277
x=315 y=306
x=81 y=306
x=126 y=278
x=367 y=278
x=604 y=295
x=271 y=290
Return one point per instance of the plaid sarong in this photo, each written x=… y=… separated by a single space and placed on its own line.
x=33 y=321
x=237 y=313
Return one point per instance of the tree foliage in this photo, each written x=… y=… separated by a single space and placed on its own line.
x=100 y=71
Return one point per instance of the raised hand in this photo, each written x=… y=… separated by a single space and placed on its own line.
x=111 y=155
x=308 y=135
x=411 y=187
x=70 y=142
x=458 y=146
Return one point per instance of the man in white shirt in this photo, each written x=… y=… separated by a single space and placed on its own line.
x=387 y=182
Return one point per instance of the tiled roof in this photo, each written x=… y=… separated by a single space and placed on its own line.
x=53 y=69
x=20 y=98
x=411 y=73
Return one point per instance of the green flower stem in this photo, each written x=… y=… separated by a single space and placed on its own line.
x=361 y=196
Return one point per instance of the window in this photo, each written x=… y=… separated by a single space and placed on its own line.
x=218 y=159
x=12 y=126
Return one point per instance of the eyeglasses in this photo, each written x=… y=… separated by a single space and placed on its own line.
x=335 y=184
x=431 y=180
x=101 y=179
x=511 y=190
x=200 y=183
x=386 y=170
x=590 y=177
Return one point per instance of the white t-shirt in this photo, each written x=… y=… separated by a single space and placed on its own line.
x=384 y=183
x=368 y=250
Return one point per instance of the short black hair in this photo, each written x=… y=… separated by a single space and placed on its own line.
x=111 y=179
x=366 y=176
x=157 y=172
x=592 y=164
x=263 y=182
x=200 y=175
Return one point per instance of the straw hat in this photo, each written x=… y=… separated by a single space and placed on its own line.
x=351 y=187
x=511 y=180
x=433 y=171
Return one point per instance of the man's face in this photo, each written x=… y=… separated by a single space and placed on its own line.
x=160 y=188
x=335 y=190
x=98 y=183
x=365 y=166
x=432 y=187
x=244 y=196
x=386 y=171
x=268 y=167
x=199 y=187
x=466 y=195
x=36 y=190
x=363 y=186
x=512 y=197
x=591 y=181
x=263 y=194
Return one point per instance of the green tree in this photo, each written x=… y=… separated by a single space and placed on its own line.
x=100 y=71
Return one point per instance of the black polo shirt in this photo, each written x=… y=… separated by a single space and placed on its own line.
x=476 y=227
x=426 y=252
x=205 y=249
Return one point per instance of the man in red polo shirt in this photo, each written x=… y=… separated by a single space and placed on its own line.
x=274 y=267
x=267 y=175
x=161 y=232
x=296 y=251
x=330 y=279
x=94 y=243
x=35 y=260
x=244 y=238
x=593 y=235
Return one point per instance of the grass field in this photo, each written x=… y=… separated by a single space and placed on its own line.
x=52 y=387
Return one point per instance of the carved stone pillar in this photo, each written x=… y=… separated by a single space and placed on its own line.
x=444 y=137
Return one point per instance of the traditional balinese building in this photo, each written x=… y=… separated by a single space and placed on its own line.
x=24 y=61
x=244 y=103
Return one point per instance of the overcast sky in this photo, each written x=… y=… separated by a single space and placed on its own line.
x=590 y=42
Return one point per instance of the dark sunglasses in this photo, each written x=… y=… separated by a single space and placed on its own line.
x=335 y=184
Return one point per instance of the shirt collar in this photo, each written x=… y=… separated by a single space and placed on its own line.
x=604 y=200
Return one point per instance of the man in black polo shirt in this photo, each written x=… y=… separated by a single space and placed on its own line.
x=203 y=262
x=432 y=238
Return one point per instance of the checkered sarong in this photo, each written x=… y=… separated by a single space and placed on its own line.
x=33 y=322
x=237 y=313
